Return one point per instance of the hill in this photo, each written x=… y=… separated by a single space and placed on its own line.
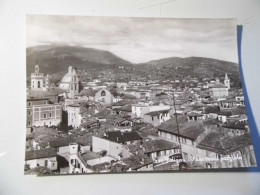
x=198 y=66
x=56 y=58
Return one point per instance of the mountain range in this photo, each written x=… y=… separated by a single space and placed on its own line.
x=57 y=58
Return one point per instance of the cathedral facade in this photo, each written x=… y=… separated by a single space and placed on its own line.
x=70 y=83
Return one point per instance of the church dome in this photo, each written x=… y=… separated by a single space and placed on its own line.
x=68 y=78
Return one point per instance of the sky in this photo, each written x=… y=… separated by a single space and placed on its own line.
x=138 y=40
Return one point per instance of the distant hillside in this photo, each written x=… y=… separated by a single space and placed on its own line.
x=190 y=66
x=53 y=59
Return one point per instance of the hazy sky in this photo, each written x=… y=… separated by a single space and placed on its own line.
x=138 y=39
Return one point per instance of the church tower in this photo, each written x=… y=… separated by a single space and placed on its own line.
x=227 y=81
x=47 y=84
x=37 y=79
x=74 y=84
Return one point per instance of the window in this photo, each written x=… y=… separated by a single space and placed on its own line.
x=44 y=116
x=50 y=115
x=39 y=84
x=29 y=113
x=103 y=93
x=29 y=122
x=29 y=103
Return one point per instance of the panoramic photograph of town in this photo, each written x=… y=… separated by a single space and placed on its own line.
x=118 y=95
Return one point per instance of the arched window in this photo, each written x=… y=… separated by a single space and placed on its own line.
x=103 y=93
x=39 y=84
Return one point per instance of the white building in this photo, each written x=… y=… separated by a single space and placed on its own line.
x=156 y=118
x=38 y=81
x=103 y=95
x=139 y=110
x=74 y=116
x=42 y=158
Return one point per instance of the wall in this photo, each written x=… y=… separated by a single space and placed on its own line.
x=63 y=149
x=74 y=118
x=112 y=148
x=107 y=98
x=41 y=162
x=49 y=115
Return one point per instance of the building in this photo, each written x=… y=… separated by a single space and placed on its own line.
x=61 y=144
x=103 y=95
x=37 y=79
x=160 y=150
x=123 y=123
x=70 y=82
x=46 y=115
x=228 y=152
x=88 y=162
x=227 y=81
x=219 y=90
x=112 y=147
x=139 y=110
x=138 y=162
x=42 y=158
x=74 y=117
x=41 y=113
x=155 y=118
x=185 y=133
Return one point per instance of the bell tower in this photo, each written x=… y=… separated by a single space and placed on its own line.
x=74 y=84
x=227 y=81
x=37 y=79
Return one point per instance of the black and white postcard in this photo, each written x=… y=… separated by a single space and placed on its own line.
x=118 y=95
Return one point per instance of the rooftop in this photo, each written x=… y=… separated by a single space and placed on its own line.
x=218 y=86
x=157 y=113
x=122 y=137
x=137 y=161
x=218 y=143
x=190 y=130
x=43 y=153
x=63 y=141
x=158 y=145
x=235 y=125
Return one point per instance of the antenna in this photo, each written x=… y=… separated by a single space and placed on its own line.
x=176 y=119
